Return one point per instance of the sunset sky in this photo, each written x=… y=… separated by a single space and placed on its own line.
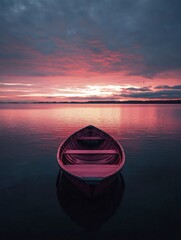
x=83 y=50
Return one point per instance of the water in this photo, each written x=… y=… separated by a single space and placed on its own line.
x=30 y=207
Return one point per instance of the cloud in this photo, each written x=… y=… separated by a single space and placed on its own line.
x=43 y=37
x=167 y=93
x=138 y=89
x=15 y=84
x=169 y=87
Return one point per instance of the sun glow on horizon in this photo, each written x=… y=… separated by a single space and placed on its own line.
x=84 y=92
x=52 y=91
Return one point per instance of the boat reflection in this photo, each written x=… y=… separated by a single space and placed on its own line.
x=89 y=212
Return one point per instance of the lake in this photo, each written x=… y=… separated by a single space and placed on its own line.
x=31 y=206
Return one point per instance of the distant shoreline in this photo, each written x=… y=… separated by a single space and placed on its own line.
x=101 y=102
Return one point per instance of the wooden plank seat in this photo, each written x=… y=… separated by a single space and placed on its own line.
x=90 y=152
x=90 y=138
x=89 y=170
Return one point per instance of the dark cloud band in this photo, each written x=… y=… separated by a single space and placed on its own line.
x=145 y=35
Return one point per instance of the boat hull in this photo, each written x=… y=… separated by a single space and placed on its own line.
x=93 y=187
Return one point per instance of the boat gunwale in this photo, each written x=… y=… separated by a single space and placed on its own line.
x=118 y=146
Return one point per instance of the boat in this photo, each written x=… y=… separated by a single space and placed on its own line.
x=90 y=155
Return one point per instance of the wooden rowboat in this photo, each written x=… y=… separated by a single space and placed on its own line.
x=90 y=155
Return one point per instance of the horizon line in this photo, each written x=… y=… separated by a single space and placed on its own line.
x=93 y=102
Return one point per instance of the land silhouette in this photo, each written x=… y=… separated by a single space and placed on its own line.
x=178 y=101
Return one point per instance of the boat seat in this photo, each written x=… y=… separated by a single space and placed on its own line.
x=90 y=152
x=90 y=138
x=89 y=170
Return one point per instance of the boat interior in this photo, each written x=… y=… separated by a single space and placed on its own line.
x=90 y=146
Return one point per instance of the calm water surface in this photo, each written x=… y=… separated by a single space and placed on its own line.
x=150 y=207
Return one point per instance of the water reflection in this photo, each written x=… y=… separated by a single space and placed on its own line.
x=89 y=213
x=127 y=121
x=29 y=138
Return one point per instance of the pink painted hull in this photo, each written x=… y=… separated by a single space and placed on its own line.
x=91 y=155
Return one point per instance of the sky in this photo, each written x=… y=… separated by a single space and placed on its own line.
x=86 y=50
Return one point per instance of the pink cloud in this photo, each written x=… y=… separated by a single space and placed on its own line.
x=38 y=76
